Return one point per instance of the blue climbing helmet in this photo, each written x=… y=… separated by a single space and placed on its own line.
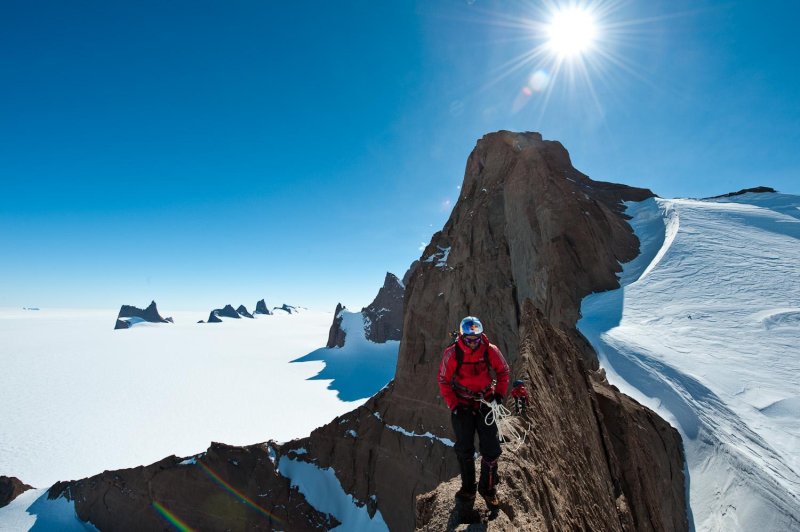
x=471 y=325
x=518 y=383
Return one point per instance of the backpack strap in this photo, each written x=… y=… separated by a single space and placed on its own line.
x=459 y=362
x=459 y=357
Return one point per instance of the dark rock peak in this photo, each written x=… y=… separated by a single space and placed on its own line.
x=287 y=308
x=225 y=312
x=755 y=190
x=261 y=308
x=11 y=488
x=242 y=311
x=336 y=334
x=149 y=314
x=383 y=317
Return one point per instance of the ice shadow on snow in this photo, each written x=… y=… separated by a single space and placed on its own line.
x=56 y=515
x=356 y=371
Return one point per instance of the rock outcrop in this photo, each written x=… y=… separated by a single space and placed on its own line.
x=755 y=190
x=336 y=334
x=383 y=317
x=261 y=308
x=11 y=488
x=528 y=238
x=129 y=315
x=289 y=309
x=195 y=491
x=242 y=311
x=227 y=311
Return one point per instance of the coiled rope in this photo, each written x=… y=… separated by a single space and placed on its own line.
x=501 y=416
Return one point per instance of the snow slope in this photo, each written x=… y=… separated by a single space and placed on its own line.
x=705 y=330
x=360 y=368
x=78 y=397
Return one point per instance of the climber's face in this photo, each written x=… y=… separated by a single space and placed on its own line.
x=472 y=340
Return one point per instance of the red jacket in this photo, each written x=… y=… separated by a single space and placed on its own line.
x=519 y=391
x=474 y=375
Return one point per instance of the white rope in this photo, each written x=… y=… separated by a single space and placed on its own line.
x=501 y=416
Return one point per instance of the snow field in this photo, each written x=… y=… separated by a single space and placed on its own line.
x=705 y=331
x=79 y=397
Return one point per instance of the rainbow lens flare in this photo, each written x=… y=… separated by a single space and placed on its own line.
x=171 y=518
x=239 y=495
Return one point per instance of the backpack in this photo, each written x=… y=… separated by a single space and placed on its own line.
x=460 y=361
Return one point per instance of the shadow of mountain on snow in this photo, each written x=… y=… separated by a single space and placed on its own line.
x=360 y=368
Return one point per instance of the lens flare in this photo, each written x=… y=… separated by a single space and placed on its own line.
x=171 y=518
x=539 y=80
x=239 y=495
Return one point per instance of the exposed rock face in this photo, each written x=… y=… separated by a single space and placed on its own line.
x=757 y=190
x=613 y=465
x=193 y=491
x=528 y=226
x=242 y=311
x=261 y=308
x=226 y=312
x=11 y=488
x=149 y=314
x=384 y=316
x=529 y=237
x=336 y=334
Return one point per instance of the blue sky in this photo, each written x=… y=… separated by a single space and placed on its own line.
x=202 y=153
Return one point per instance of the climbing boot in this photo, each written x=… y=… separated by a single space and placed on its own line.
x=465 y=494
x=491 y=498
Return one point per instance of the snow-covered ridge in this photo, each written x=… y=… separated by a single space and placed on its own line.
x=705 y=331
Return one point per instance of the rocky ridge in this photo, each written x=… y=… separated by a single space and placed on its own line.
x=289 y=309
x=216 y=315
x=190 y=488
x=528 y=238
x=128 y=315
x=242 y=311
x=383 y=318
x=11 y=488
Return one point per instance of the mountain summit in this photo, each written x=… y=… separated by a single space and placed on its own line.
x=130 y=315
x=529 y=237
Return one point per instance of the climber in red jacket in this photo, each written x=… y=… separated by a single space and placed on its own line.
x=520 y=395
x=465 y=377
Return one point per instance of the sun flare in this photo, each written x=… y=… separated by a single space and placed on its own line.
x=571 y=32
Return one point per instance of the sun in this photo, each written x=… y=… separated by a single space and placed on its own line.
x=571 y=32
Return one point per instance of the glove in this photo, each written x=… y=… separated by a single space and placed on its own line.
x=498 y=399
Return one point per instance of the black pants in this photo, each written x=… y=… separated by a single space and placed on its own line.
x=467 y=422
